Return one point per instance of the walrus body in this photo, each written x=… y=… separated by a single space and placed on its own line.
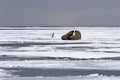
x=72 y=35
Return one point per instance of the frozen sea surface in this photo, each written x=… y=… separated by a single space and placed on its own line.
x=31 y=53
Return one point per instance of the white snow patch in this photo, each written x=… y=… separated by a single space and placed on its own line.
x=63 y=54
x=61 y=64
x=4 y=73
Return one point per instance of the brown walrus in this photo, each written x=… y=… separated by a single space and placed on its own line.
x=72 y=35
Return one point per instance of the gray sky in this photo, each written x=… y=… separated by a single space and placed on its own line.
x=59 y=12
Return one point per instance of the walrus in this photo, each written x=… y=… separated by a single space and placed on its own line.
x=67 y=36
x=72 y=35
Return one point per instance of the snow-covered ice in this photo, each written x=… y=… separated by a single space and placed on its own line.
x=33 y=48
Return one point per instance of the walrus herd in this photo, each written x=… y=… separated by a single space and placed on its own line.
x=72 y=35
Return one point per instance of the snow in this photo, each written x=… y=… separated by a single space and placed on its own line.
x=4 y=73
x=87 y=34
x=96 y=43
x=58 y=64
x=88 y=77
x=63 y=54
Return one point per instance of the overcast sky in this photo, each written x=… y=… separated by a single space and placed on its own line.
x=59 y=12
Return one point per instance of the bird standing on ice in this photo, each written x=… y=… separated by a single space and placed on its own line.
x=52 y=35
